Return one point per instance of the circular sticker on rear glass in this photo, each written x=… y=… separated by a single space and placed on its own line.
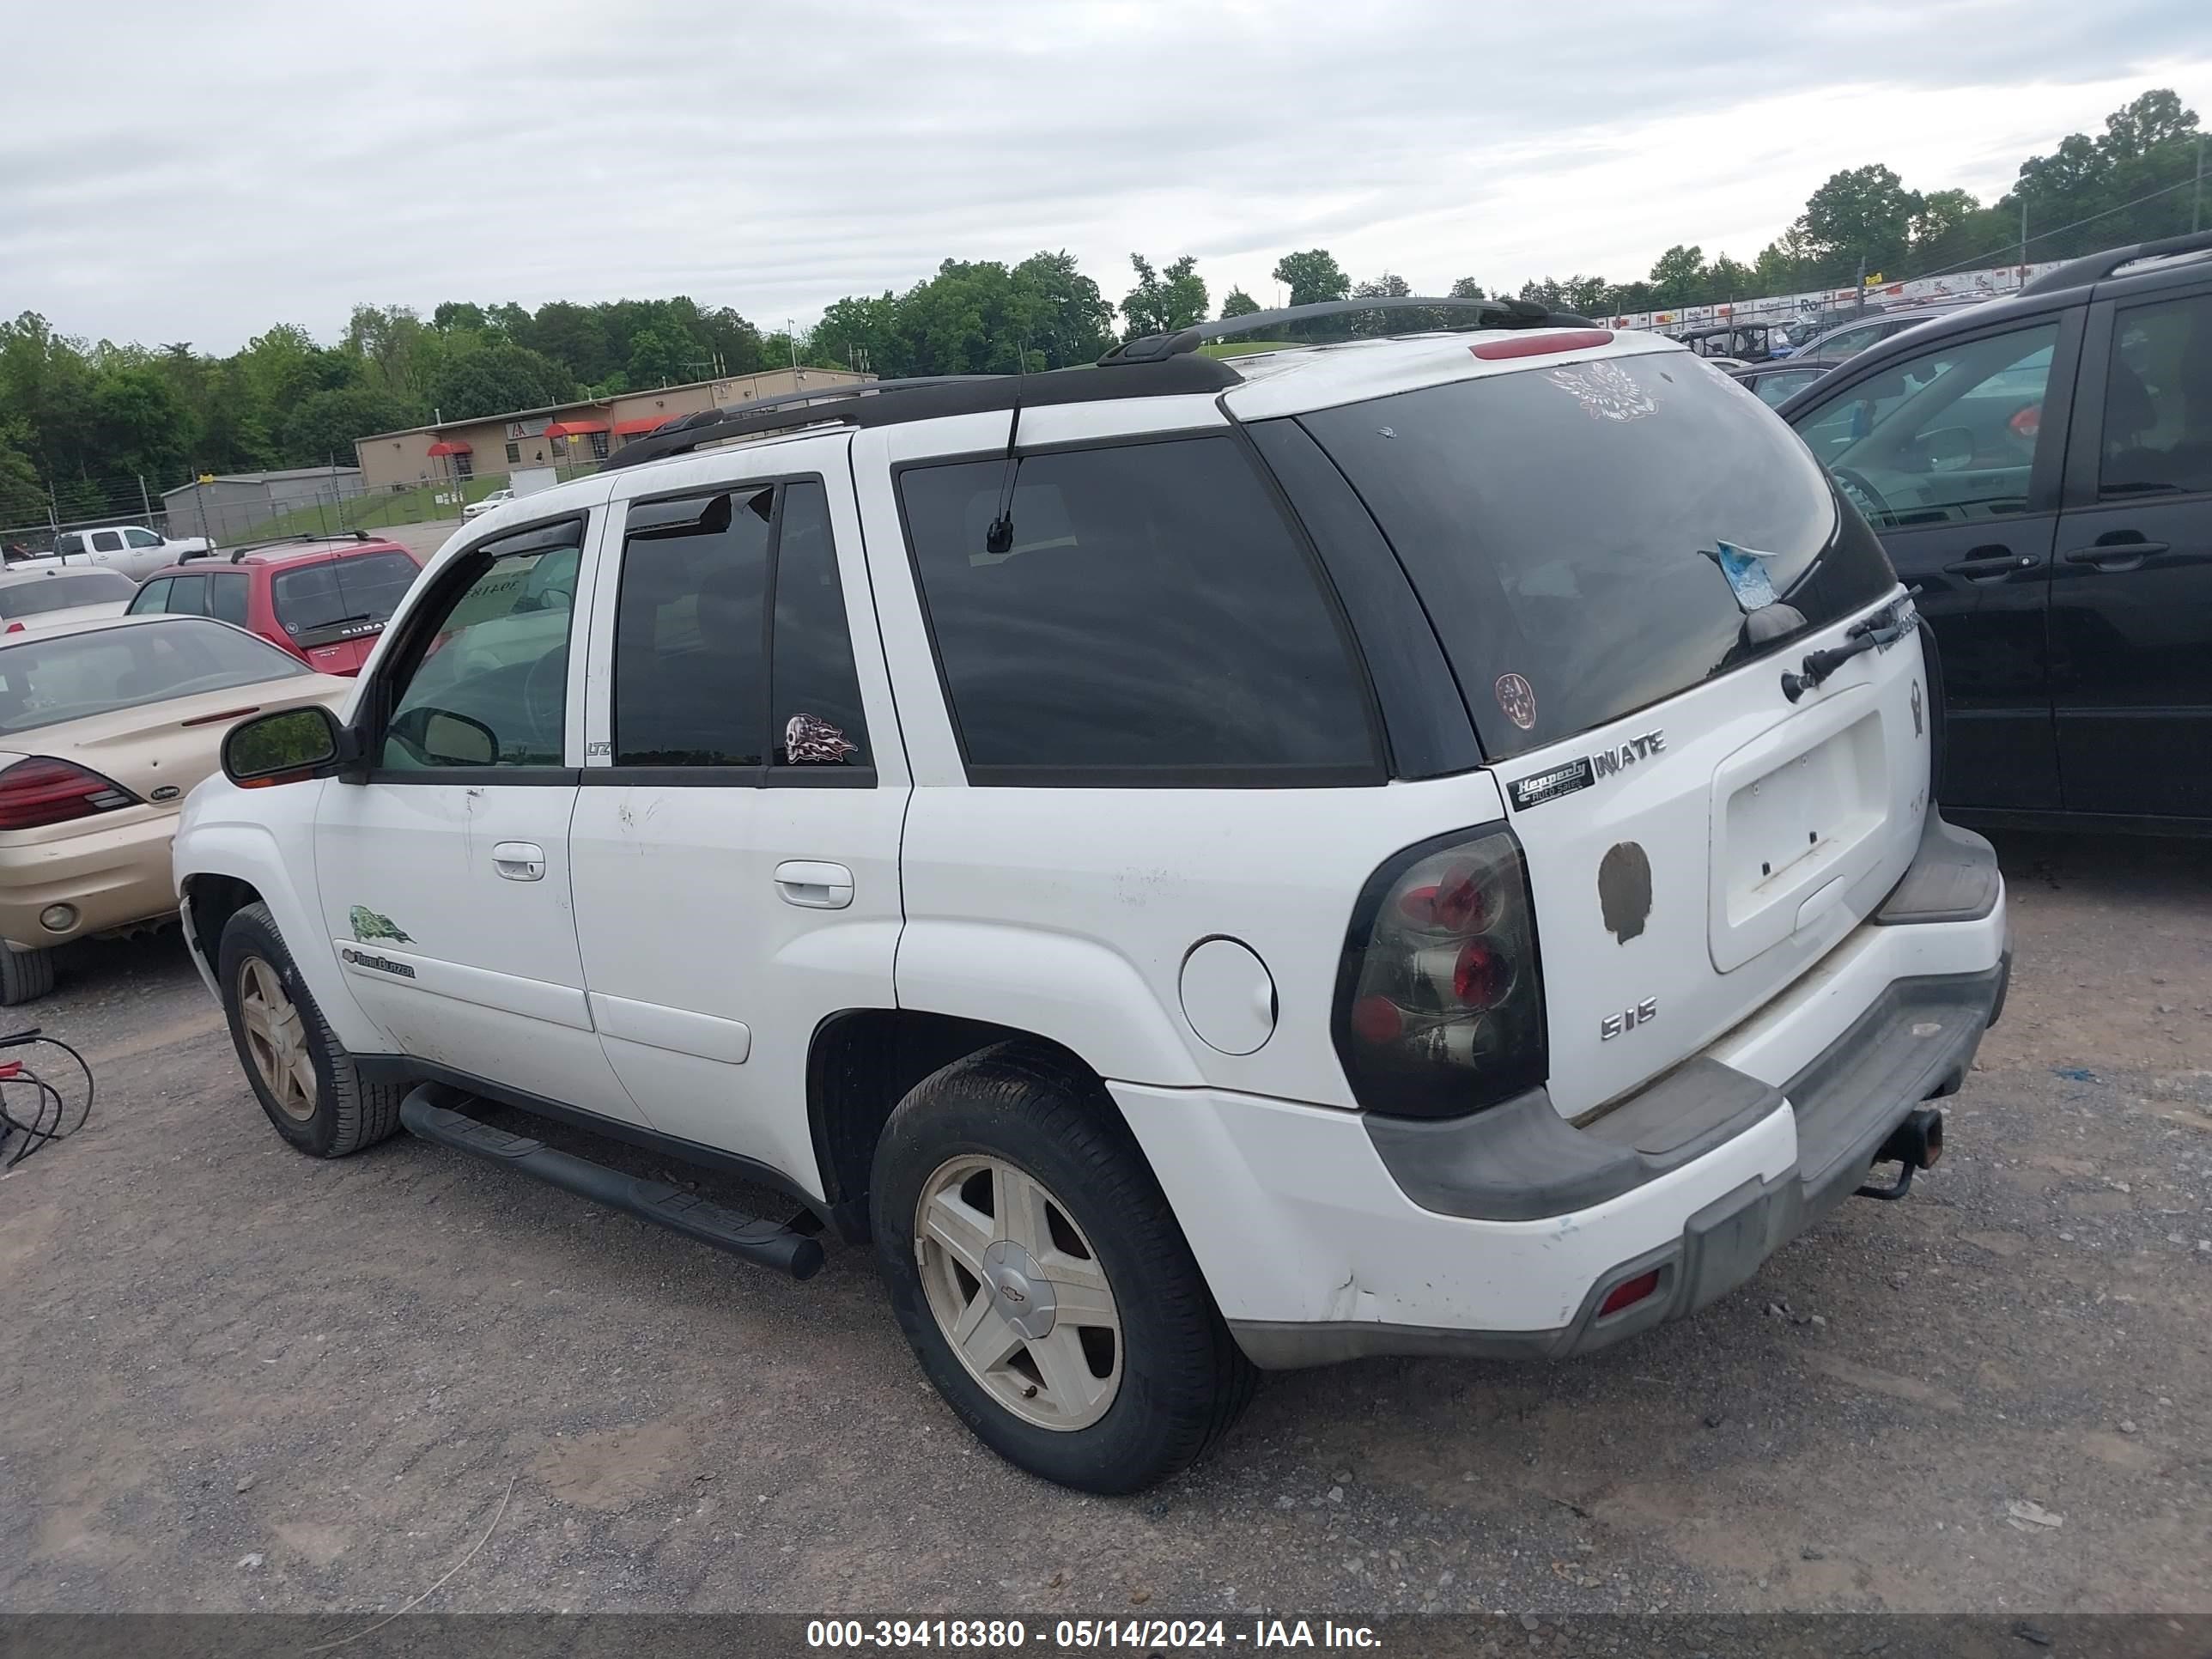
x=1518 y=699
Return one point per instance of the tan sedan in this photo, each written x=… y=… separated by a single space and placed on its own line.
x=105 y=726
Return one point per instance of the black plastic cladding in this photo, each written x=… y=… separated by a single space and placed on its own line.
x=1402 y=1094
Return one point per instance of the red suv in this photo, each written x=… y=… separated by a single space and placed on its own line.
x=324 y=598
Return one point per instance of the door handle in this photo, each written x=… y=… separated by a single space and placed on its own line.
x=2120 y=549
x=813 y=886
x=1981 y=563
x=519 y=860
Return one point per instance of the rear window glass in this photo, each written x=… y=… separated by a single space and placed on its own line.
x=61 y=592
x=1592 y=537
x=344 y=597
x=44 y=682
x=1154 y=616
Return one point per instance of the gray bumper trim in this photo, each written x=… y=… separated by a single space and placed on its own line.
x=1953 y=877
x=1847 y=1101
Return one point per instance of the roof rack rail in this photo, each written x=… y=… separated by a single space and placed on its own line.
x=1510 y=313
x=232 y=554
x=2079 y=273
x=761 y=414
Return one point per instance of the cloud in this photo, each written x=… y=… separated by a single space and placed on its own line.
x=283 y=162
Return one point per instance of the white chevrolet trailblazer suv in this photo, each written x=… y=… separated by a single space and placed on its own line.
x=1414 y=845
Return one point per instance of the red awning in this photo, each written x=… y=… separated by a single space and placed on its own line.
x=450 y=447
x=572 y=428
x=645 y=424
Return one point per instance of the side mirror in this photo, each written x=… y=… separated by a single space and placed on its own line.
x=284 y=747
x=442 y=738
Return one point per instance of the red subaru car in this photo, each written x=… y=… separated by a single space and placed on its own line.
x=322 y=598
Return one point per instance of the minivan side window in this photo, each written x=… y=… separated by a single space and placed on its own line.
x=1945 y=437
x=1154 y=620
x=2158 y=401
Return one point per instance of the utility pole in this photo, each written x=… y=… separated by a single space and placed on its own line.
x=2023 y=238
x=145 y=501
x=2196 y=197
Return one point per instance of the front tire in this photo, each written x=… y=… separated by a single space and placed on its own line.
x=306 y=1081
x=1039 y=1275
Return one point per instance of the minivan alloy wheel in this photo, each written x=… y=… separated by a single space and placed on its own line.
x=1017 y=1292
x=277 y=1039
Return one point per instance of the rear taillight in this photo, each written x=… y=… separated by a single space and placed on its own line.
x=42 y=790
x=1439 y=1006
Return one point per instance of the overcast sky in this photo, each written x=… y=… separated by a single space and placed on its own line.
x=197 y=172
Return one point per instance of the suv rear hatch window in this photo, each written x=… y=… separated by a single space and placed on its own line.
x=1593 y=537
x=342 y=599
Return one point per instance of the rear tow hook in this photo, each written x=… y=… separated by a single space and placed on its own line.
x=1915 y=1143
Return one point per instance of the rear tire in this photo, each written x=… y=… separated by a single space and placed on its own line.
x=306 y=1081
x=1165 y=1380
x=24 y=976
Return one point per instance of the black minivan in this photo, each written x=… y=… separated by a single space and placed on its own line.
x=2040 y=468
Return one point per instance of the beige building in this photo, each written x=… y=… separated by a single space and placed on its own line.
x=566 y=435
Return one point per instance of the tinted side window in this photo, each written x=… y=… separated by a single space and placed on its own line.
x=1154 y=613
x=227 y=599
x=154 y=596
x=142 y=538
x=107 y=541
x=815 y=702
x=2158 y=400
x=187 y=597
x=690 y=669
x=1944 y=437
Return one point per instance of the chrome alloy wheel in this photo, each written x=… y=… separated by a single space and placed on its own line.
x=1017 y=1292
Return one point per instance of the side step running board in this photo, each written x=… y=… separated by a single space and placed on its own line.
x=769 y=1244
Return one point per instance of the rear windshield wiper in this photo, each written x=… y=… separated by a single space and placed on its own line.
x=338 y=621
x=1878 y=632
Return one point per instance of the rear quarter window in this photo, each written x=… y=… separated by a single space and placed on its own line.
x=1154 y=620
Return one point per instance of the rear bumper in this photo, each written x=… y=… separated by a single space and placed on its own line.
x=112 y=875
x=1329 y=1235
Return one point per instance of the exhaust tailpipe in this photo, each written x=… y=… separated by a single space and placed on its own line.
x=1915 y=1143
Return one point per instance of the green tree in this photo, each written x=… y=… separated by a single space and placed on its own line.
x=1678 y=275
x=1164 y=301
x=463 y=315
x=22 y=492
x=573 y=336
x=322 y=428
x=1237 y=303
x=659 y=355
x=140 y=429
x=1312 y=276
x=1861 y=216
x=494 y=379
x=1467 y=288
x=1060 y=311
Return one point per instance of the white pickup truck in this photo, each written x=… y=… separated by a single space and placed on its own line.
x=132 y=549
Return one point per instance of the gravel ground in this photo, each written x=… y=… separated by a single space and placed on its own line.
x=239 y=1379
